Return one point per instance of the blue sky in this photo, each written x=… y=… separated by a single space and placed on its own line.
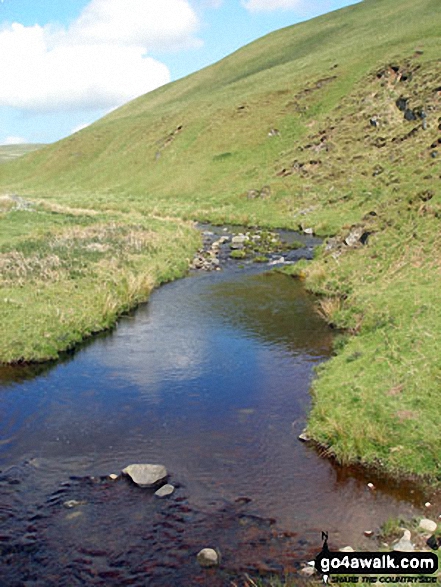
x=65 y=64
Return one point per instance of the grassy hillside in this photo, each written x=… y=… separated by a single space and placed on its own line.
x=339 y=119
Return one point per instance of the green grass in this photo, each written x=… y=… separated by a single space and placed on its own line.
x=344 y=157
x=65 y=277
x=10 y=152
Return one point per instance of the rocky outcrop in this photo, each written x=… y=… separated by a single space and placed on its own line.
x=263 y=193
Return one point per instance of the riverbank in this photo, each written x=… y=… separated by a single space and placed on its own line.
x=377 y=401
x=68 y=274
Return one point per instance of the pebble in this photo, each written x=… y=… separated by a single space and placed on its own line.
x=304 y=437
x=165 y=490
x=346 y=549
x=428 y=525
x=371 y=486
x=368 y=533
x=113 y=477
x=308 y=571
x=428 y=504
x=72 y=503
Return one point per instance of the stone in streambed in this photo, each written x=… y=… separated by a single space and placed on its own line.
x=238 y=241
x=73 y=503
x=146 y=475
x=208 y=557
x=165 y=490
x=404 y=544
x=304 y=436
x=428 y=525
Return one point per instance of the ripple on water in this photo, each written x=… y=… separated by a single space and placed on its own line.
x=101 y=532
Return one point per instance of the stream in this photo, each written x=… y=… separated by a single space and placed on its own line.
x=210 y=378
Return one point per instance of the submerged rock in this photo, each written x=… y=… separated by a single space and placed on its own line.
x=165 y=490
x=73 y=503
x=146 y=475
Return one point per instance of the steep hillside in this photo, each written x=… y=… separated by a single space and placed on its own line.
x=332 y=125
x=203 y=141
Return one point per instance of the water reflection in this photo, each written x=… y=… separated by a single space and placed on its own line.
x=272 y=307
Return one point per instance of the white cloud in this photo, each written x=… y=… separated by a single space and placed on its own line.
x=270 y=5
x=14 y=141
x=211 y=3
x=100 y=61
x=152 y=24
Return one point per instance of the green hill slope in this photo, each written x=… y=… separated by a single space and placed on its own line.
x=339 y=118
x=203 y=140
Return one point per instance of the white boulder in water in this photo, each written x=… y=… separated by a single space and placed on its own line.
x=146 y=475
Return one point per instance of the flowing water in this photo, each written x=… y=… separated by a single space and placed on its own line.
x=210 y=378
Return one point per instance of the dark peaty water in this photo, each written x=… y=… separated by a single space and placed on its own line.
x=210 y=378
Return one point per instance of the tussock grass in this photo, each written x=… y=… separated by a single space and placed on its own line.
x=59 y=287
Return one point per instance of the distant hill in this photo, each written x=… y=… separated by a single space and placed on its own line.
x=9 y=152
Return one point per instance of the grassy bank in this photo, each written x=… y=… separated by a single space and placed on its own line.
x=67 y=275
x=334 y=125
x=378 y=401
